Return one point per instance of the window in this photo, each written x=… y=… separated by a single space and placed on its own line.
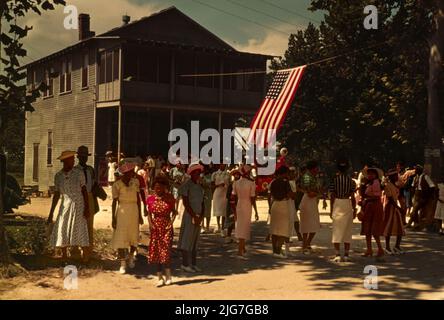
x=102 y=67
x=49 y=149
x=165 y=68
x=35 y=163
x=68 y=76
x=205 y=65
x=65 y=76
x=109 y=67
x=148 y=66
x=116 y=60
x=49 y=82
x=85 y=63
x=130 y=64
x=185 y=66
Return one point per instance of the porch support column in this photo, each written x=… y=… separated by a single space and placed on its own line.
x=119 y=133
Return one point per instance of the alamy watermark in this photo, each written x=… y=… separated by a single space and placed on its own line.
x=371 y=281
x=246 y=147
x=371 y=20
x=70 y=282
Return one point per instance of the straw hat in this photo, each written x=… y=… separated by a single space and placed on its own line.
x=235 y=170
x=66 y=154
x=194 y=167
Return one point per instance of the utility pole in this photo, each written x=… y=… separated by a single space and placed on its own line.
x=434 y=148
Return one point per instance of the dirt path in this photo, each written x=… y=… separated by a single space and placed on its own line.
x=418 y=274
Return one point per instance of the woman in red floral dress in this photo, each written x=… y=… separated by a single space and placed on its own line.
x=161 y=208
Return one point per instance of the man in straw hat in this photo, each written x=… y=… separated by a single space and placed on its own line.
x=71 y=226
x=91 y=184
x=192 y=194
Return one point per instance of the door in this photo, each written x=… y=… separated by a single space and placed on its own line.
x=35 y=164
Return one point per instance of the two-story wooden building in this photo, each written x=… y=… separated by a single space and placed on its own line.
x=124 y=90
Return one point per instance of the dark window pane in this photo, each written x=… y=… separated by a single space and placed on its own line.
x=102 y=68
x=165 y=68
x=148 y=66
x=68 y=81
x=109 y=67
x=35 y=163
x=205 y=65
x=116 y=69
x=130 y=64
x=185 y=66
x=85 y=70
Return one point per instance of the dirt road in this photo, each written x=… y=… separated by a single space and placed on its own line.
x=417 y=274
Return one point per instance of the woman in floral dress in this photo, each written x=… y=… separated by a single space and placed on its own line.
x=70 y=228
x=161 y=208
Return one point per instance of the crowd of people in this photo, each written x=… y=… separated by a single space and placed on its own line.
x=157 y=192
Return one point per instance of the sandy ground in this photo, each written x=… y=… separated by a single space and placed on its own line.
x=415 y=275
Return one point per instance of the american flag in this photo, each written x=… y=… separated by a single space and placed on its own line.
x=279 y=97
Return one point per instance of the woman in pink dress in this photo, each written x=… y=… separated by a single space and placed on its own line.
x=161 y=208
x=372 y=222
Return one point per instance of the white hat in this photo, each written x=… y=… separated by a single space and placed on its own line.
x=194 y=167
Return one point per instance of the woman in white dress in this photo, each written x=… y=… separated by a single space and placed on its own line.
x=221 y=180
x=439 y=213
x=71 y=226
x=282 y=212
x=245 y=192
x=126 y=216
x=310 y=222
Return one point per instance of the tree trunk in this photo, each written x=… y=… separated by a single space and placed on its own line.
x=433 y=152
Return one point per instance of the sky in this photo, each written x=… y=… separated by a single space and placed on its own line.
x=241 y=31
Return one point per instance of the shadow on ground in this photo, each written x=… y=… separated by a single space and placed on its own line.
x=422 y=265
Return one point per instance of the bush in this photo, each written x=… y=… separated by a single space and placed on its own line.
x=29 y=238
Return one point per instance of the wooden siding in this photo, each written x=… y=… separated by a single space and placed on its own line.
x=70 y=116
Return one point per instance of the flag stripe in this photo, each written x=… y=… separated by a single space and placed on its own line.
x=283 y=111
x=275 y=106
x=278 y=105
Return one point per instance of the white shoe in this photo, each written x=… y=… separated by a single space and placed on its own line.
x=168 y=282
x=122 y=269
x=280 y=256
x=188 y=269
x=347 y=259
x=398 y=251
x=388 y=252
x=131 y=263
x=196 y=268
x=337 y=259
x=160 y=283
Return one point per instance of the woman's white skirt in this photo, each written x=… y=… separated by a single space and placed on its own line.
x=342 y=221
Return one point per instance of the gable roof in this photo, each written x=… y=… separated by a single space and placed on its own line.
x=173 y=26
x=170 y=27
